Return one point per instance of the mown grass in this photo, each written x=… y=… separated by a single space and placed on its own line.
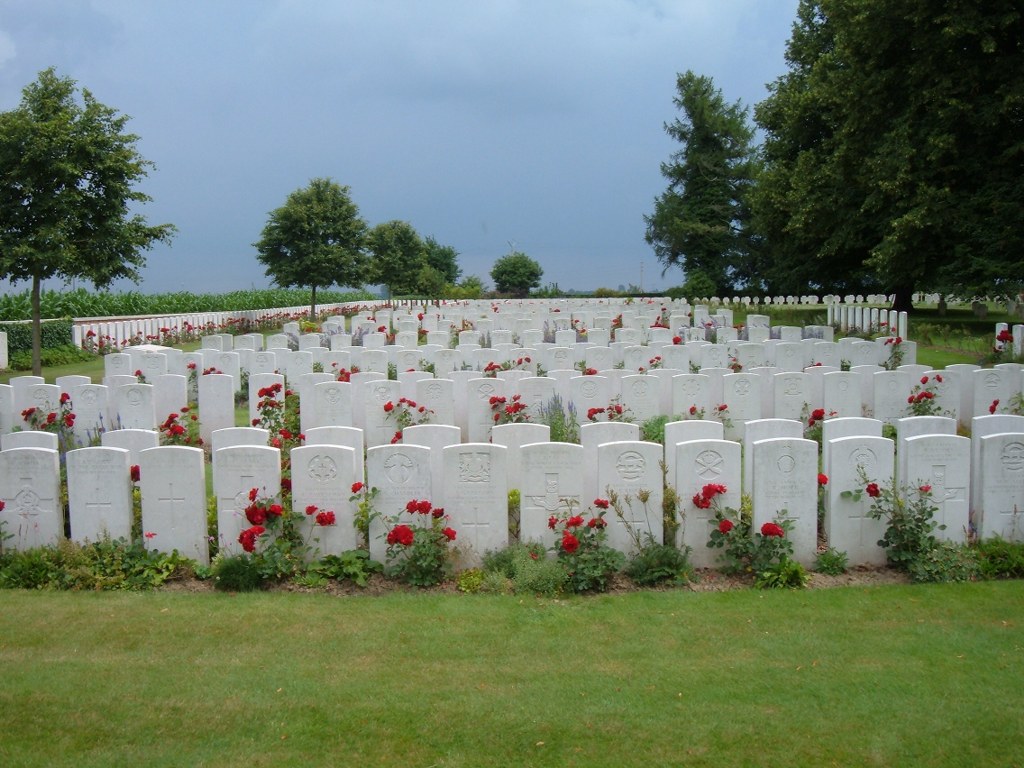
x=922 y=675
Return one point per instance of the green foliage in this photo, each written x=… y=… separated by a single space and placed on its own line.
x=470 y=580
x=53 y=334
x=67 y=196
x=516 y=274
x=881 y=172
x=785 y=574
x=50 y=357
x=314 y=240
x=909 y=517
x=561 y=421
x=108 y=564
x=657 y=563
x=236 y=573
x=398 y=257
x=353 y=565
x=699 y=222
x=831 y=562
x=523 y=569
x=745 y=551
x=1000 y=559
x=653 y=429
x=470 y=287
x=444 y=259
x=418 y=544
x=944 y=562
x=583 y=550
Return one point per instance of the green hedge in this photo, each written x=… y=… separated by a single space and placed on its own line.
x=55 y=333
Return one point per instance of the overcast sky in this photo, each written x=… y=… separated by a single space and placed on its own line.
x=487 y=124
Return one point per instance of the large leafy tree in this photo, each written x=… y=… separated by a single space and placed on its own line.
x=398 y=257
x=699 y=222
x=516 y=273
x=68 y=172
x=315 y=240
x=893 y=148
x=443 y=258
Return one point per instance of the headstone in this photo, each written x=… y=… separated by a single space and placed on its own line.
x=30 y=489
x=699 y=463
x=322 y=476
x=691 y=394
x=99 y=494
x=30 y=438
x=785 y=487
x=764 y=429
x=1000 y=479
x=400 y=473
x=135 y=441
x=641 y=394
x=435 y=437
x=841 y=393
x=983 y=426
x=993 y=388
x=216 y=404
x=476 y=492
x=551 y=484
x=943 y=463
x=631 y=471
x=135 y=407
x=437 y=395
x=329 y=405
x=742 y=393
x=173 y=488
x=856 y=461
x=236 y=471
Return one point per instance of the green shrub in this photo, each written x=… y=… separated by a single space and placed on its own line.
x=50 y=357
x=523 y=569
x=469 y=580
x=1000 y=559
x=831 y=562
x=944 y=562
x=53 y=333
x=236 y=573
x=353 y=565
x=657 y=563
x=785 y=574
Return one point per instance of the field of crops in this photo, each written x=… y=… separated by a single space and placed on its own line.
x=84 y=303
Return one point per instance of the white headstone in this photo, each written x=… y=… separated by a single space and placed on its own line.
x=173 y=487
x=785 y=486
x=99 y=493
x=322 y=476
x=30 y=489
x=476 y=492
x=944 y=463
x=847 y=524
x=551 y=484
x=236 y=471
x=400 y=473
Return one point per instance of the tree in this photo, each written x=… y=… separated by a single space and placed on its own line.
x=892 y=150
x=443 y=258
x=398 y=257
x=315 y=240
x=67 y=172
x=516 y=274
x=699 y=222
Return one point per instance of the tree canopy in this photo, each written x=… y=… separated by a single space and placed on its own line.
x=699 y=222
x=516 y=273
x=444 y=259
x=67 y=175
x=893 y=152
x=315 y=240
x=398 y=257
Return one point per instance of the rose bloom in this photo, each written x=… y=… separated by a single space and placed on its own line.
x=400 y=534
x=601 y=503
x=311 y=509
x=136 y=473
x=872 y=490
x=772 y=529
x=574 y=522
x=724 y=526
x=597 y=522
x=569 y=542
x=357 y=487
x=925 y=489
x=822 y=478
x=325 y=518
x=552 y=522
x=449 y=534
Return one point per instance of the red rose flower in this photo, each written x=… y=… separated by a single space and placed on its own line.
x=552 y=522
x=357 y=487
x=135 y=473
x=822 y=478
x=574 y=522
x=872 y=490
x=389 y=407
x=772 y=529
x=601 y=503
x=569 y=542
x=248 y=537
x=449 y=534
x=311 y=509
x=925 y=489
x=325 y=518
x=724 y=526
x=400 y=534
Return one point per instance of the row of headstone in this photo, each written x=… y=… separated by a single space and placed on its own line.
x=471 y=482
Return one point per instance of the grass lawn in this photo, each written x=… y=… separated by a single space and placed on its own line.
x=883 y=676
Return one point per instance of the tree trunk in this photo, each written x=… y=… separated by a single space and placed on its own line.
x=902 y=300
x=312 y=305
x=37 y=331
